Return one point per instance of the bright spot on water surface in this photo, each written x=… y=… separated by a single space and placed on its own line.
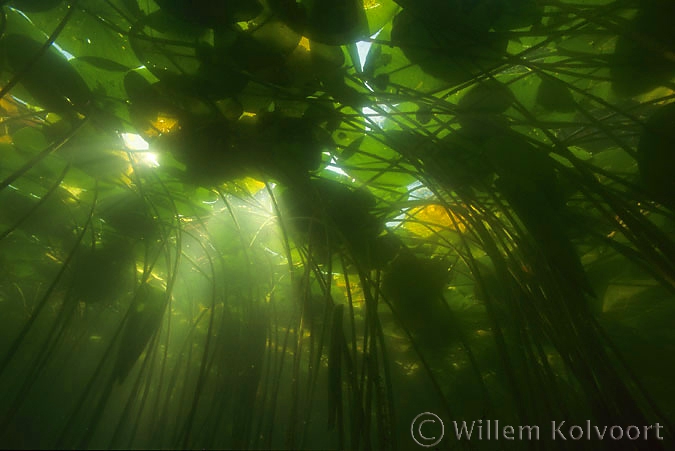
x=136 y=143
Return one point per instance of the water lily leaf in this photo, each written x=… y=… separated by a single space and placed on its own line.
x=515 y=14
x=103 y=63
x=30 y=139
x=35 y=6
x=553 y=95
x=656 y=159
x=454 y=54
x=63 y=90
x=128 y=213
x=643 y=56
x=424 y=114
x=336 y=22
x=174 y=53
x=379 y=13
x=489 y=97
x=212 y=14
x=352 y=148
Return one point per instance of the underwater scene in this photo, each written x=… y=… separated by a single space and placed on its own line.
x=337 y=224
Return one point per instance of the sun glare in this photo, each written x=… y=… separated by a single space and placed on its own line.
x=137 y=144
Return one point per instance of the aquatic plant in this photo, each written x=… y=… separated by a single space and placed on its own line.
x=299 y=224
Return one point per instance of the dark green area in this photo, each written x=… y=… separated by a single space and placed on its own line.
x=226 y=225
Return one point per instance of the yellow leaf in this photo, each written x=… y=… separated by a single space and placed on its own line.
x=304 y=43
x=162 y=124
x=252 y=185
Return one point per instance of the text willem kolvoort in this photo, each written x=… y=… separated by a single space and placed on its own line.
x=558 y=430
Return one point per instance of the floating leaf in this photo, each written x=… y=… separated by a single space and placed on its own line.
x=103 y=63
x=424 y=114
x=336 y=22
x=63 y=90
x=30 y=139
x=35 y=6
x=553 y=95
x=489 y=97
x=452 y=53
x=656 y=155
x=212 y=14
x=643 y=59
x=430 y=219
x=175 y=55
x=514 y=14
x=352 y=148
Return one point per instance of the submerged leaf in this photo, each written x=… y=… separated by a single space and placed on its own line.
x=656 y=155
x=104 y=274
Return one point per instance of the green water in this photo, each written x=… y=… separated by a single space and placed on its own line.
x=315 y=224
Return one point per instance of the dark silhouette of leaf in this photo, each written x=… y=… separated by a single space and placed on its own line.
x=656 y=155
x=641 y=59
x=513 y=14
x=336 y=22
x=453 y=53
x=528 y=180
x=553 y=95
x=414 y=286
x=489 y=97
x=352 y=148
x=103 y=63
x=34 y=6
x=424 y=114
x=63 y=91
x=325 y=214
x=104 y=274
x=212 y=14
